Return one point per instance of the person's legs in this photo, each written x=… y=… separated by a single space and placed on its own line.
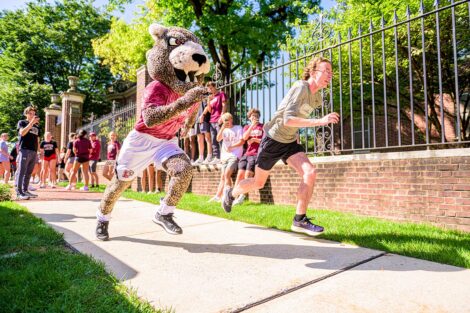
x=44 y=173
x=106 y=171
x=93 y=175
x=200 y=144
x=29 y=165
x=192 y=140
x=215 y=144
x=250 y=184
x=144 y=181
x=220 y=187
x=85 y=170
x=230 y=168
x=68 y=170
x=159 y=180
x=6 y=173
x=74 y=173
x=52 y=172
x=151 y=176
x=2 y=170
x=207 y=138
x=186 y=145
x=302 y=165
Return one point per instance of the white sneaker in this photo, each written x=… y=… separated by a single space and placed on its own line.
x=239 y=200
x=208 y=159
x=69 y=187
x=42 y=186
x=198 y=161
x=215 y=199
x=214 y=161
x=31 y=188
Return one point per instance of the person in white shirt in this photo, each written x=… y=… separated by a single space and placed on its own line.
x=232 y=148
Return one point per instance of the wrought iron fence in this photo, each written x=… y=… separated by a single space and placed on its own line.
x=401 y=86
x=121 y=121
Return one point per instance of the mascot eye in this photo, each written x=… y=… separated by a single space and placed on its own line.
x=174 y=41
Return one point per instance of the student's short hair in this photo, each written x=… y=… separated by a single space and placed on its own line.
x=72 y=136
x=312 y=65
x=253 y=110
x=211 y=83
x=82 y=133
x=226 y=116
x=29 y=109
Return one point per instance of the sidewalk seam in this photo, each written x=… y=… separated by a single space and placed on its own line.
x=290 y=290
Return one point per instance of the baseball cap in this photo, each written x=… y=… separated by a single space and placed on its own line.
x=92 y=134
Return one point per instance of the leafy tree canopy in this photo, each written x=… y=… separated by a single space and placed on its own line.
x=237 y=33
x=43 y=44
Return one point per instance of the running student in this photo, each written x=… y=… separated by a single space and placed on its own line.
x=280 y=142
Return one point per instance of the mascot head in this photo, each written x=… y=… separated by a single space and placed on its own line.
x=177 y=58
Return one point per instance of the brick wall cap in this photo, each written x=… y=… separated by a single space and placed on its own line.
x=393 y=155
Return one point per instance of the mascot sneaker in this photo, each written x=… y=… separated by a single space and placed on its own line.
x=102 y=230
x=166 y=221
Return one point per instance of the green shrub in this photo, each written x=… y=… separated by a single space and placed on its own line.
x=5 y=192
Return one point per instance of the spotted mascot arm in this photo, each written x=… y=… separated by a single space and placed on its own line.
x=161 y=114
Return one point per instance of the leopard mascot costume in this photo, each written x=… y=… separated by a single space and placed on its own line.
x=177 y=63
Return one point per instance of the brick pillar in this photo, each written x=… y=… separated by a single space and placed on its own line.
x=53 y=112
x=143 y=79
x=72 y=105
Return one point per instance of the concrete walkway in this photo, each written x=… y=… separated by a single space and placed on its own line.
x=219 y=265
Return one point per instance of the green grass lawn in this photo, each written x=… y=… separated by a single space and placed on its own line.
x=39 y=274
x=416 y=240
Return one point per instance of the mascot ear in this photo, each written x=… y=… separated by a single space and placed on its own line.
x=157 y=31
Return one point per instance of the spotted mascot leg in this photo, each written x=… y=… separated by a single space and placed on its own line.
x=180 y=170
x=113 y=191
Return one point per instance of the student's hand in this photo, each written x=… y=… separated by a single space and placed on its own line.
x=201 y=119
x=35 y=120
x=251 y=140
x=230 y=148
x=331 y=118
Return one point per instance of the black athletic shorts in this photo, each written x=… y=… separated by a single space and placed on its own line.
x=271 y=151
x=82 y=159
x=247 y=163
x=93 y=164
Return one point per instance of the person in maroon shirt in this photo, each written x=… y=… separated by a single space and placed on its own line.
x=252 y=135
x=217 y=105
x=112 y=154
x=94 y=158
x=82 y=150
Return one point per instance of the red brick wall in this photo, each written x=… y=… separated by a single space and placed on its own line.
x=434 y=190
x=143 y=79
